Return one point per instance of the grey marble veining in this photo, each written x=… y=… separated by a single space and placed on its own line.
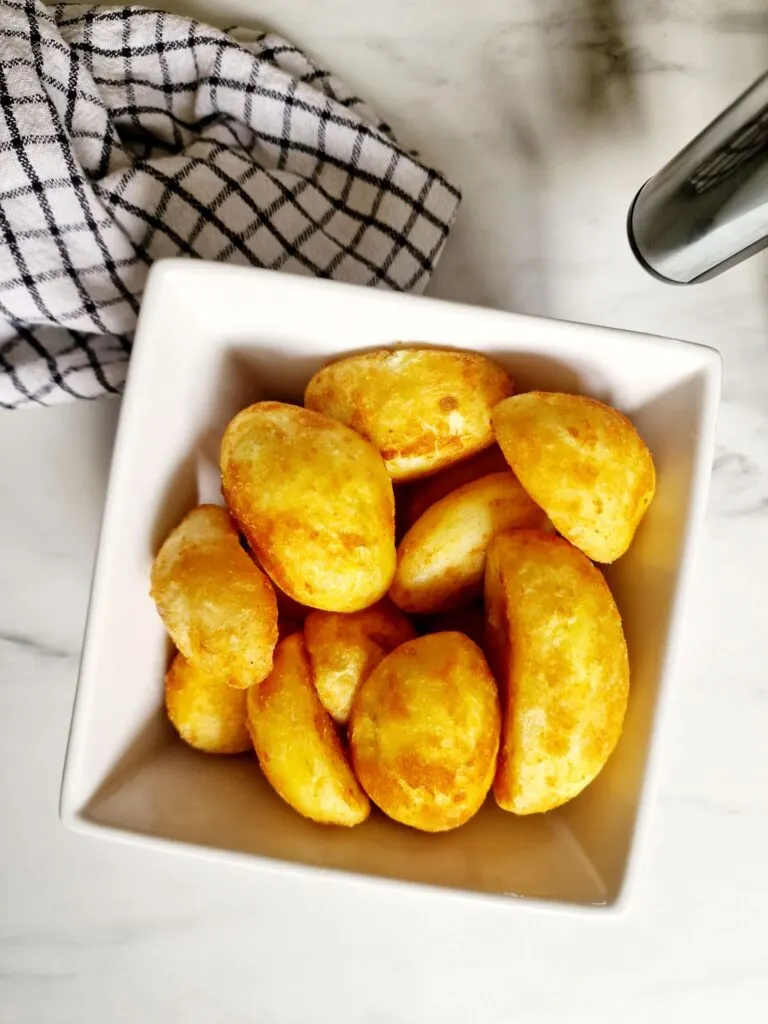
x=550 y=113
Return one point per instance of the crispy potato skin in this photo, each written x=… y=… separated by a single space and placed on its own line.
x=297 y=745
x=218 y=607
x=424 y=732
x=583 y=462
x=208 y=714
x=556 y=642
x=286 y=606
x=417 y=497
x=344 y=649
x=423 y=408
x=314 y=502
x=441 y=560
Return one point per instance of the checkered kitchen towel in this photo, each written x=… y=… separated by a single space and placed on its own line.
x=127 y=135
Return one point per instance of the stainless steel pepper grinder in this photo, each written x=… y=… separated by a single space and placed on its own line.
x=707 y=209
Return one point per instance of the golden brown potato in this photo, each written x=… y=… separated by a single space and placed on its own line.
x=441 y=560
x=423 y=408
x=418 y=496
x=424 y=732
x=557 y=645
x=583 y=462
x=402 y=498
x=218 y=607
x=286 y=606
x=296 y=742
x=207 y=713
x=315 y=503
x=343 y=649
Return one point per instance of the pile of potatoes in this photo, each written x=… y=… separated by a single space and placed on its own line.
x=399 y=603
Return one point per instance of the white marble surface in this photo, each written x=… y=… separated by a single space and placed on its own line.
x=497 y=93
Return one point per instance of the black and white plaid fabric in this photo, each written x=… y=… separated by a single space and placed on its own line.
x=127 y=135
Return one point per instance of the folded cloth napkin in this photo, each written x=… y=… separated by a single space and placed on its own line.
x=127 y=135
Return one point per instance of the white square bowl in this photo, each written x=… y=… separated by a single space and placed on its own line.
x=212 y=339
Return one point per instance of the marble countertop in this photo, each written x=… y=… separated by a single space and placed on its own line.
x=550 y=114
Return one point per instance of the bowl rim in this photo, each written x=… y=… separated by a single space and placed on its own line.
x=71 y=812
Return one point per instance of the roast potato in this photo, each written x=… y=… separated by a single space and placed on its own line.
x=296 y=742
x=418 y=496
x=424 y=732
x=556 y=642
x=218 y=607
x=441 y=560
x=583 y=462
x=423 y=408
x=343 y=649
x=315 y=503
x=207 y=713
x=286 y=606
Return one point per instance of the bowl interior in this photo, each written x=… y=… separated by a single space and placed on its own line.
x=210 y=341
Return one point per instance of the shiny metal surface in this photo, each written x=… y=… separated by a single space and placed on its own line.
x=707 y=209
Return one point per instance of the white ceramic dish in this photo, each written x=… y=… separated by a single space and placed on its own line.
x=212 y=339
